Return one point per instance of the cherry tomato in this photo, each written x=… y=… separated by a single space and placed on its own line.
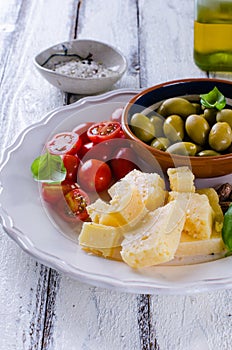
x=81 y=131
x=51 y=193
x=72 y=208
x=103 y=131
x=122 y=162
x=85 y=148
x=94 y=175
x=101 y=151
x=71 y=164
x=116 y=116
x=64 y=143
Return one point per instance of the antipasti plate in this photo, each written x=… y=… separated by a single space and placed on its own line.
x=24 y=218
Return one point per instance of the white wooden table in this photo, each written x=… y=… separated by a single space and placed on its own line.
x=41 y=308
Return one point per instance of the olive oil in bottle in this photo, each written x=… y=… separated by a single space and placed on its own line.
x=213 y=35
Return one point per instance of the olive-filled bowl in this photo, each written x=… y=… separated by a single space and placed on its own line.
x=196 y=132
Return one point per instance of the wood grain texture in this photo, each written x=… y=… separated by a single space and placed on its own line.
x=41 y=308
x=26 y=27
x=166 y=41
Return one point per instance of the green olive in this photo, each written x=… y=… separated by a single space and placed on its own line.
x=158 y=124
x=225 y=115
x=176 y=105
x=207 y=153
x=197 y=106
x=183 y=148
x=142 y=127
x=161 y=143
x=210 y=115
x=220 y=136
x=174 y=128
x=197 y=128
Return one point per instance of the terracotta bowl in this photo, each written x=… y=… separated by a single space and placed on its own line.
x=202 y=167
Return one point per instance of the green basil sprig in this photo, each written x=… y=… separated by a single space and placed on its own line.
x=48 y=168
x=214 y=99
x=227 y=229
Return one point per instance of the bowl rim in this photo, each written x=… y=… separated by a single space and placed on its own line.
x=119 y=73
x=126 y=128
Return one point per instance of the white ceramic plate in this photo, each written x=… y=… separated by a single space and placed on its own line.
x=24 y=219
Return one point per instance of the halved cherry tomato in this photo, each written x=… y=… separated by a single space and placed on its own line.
x=122 y=162
x=103 y=131
x=51 y=193
x=64 y=143
x=71 y=164
x=77 y=201
x=81 y=131
x=94 y=175
x=68 y=186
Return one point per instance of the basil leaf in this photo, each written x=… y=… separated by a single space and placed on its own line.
x=214 y=99
x=48 y=168
x=227 y=228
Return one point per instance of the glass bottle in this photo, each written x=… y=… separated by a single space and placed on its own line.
x=213 y=35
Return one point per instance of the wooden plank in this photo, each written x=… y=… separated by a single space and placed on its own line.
x=47 y=310
x=24 y=98
x=200 y=321
x=113 y=22
x=9 y=12
x=166 y=41
x=97 y=318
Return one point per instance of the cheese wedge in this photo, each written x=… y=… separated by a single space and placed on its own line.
x=100 y=236
x=181 y=179
x=199 y=214
x=150 y=185
x=155 y=241
x=125 y=208
x=187 y=247
x=190 y=246
x=213 y=198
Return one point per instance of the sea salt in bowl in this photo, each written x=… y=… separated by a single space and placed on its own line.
x=81 y=66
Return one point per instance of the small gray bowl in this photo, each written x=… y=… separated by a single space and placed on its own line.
x=101 y=53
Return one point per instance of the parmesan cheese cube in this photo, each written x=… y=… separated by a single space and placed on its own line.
x=150 y=185
x=218 y=216
x=190 y=246
x=100 y=236
x=125 y=208
x=199 y=214
x=181 y=179
x=156 y=240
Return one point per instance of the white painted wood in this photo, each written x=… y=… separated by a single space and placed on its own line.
x=202 y=321
x=43 y=309
x=97 y=318
x=114 y=22
x=25 y=29
x=166 y=41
